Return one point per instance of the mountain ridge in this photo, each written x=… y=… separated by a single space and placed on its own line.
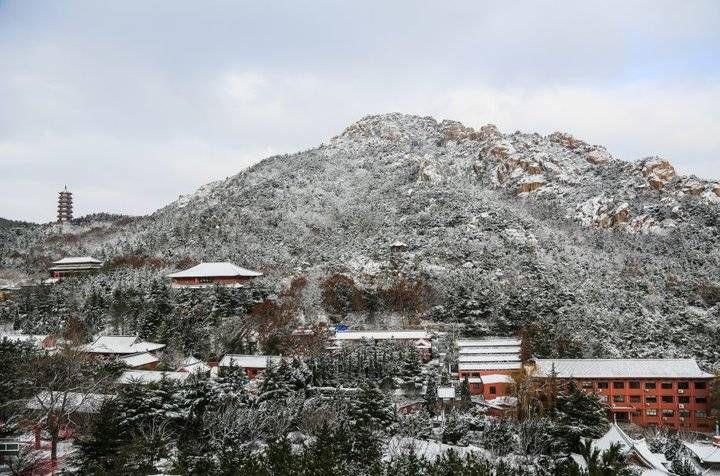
x=506 y=231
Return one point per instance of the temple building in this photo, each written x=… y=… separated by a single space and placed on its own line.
x=211 y=274
x=74 y=265
x=65 y=206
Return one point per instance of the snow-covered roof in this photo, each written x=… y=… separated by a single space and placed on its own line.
x=192 y=364
x=494 y=342
x=78 y=260
x=705 y=452
x=248 y=361
x=640 y=449
x=120 y=345
x=446 y=392
x=150 y=376
x=511 y=349
x=489 y=358
x=621 y=368
x=211 y=270
x=382 y=335
x=35 y=339
x=72 y=401
x=470 y=366
x=497 y=378
x=137 y=360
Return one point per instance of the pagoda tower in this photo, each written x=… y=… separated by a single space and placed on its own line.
x=65 y=207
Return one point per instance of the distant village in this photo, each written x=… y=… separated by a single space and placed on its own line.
x=487 y=373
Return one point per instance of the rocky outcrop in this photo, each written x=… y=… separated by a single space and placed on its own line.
x=453 y=130
x=598 y=156
x=530 y=184
x=566 y=140
x=657 y=171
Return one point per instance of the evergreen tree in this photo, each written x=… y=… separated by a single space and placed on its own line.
x=498 y=437
x=683 y=467
x=98 y=448
x=274 y=384
x=431 y=394
x=464 y=393
x=579 y=414
x=455 y=429
x=371 y=408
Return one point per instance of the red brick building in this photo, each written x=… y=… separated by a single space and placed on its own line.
x=489 y=365
x=211 y=274
x=648 y=392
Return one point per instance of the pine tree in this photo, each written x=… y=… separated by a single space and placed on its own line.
x=455 y=429
x=274 y=384
x=498 y=437
x=464 y=393
x=98 y=448
x=431 y=394
x=683 y=467
x=579 y=414
x=371 y=408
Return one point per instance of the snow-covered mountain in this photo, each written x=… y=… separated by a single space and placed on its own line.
x=520 y=229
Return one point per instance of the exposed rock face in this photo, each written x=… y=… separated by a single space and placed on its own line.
x=456 y=131
x=598 y=156
x=531 y=184
x=716 y=189
x=658 y=172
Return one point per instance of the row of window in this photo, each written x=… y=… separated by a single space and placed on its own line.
x=648 y=385
x=653 y=399
x=651 y=412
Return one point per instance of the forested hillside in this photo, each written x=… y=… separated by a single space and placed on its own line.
x=402 y=220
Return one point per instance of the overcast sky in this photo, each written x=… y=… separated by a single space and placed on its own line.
x=132 y=103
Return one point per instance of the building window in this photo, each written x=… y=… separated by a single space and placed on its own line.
x=668 y=413
x=700 y=385
x=618 y=398
x=492 y=390
x=602 y=385
x=603 y=398
x=651 y=399
x=700 y=400
x=700 y=414
x=587 y=384
x=683 y=399
x=206 y=280
x=634 y=385
x=683 y=385
x=667 y=398
x=684 y=413
x=650 y=385
x=651 y=412
x=636 y=413
x=634 y=398
x=666 y=385
x=618 y=384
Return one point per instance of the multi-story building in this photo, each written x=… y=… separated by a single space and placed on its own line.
x=648 y=392
x=489 y=365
